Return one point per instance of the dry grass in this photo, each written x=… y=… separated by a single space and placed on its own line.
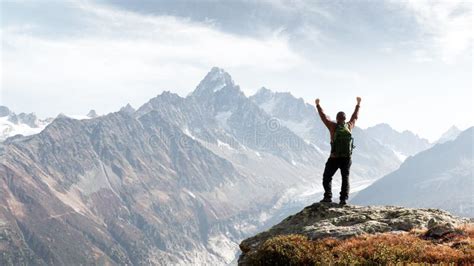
x=388 y=248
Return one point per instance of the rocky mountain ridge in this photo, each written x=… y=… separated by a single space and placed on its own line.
x=180 y=180
x=439 y=177
x=167 y=184
x=26 y=124
x=12 y=124
x=404 y=143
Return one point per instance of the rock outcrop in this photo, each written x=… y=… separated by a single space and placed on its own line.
x=322 y=220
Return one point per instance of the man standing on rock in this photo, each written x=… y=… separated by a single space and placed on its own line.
x=341 y=151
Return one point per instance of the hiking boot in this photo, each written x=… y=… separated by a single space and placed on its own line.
x=342 y=203
x=326 y=200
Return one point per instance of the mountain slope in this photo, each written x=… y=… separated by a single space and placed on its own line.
x=440 y=177
x=121 y=190
x=147 y=187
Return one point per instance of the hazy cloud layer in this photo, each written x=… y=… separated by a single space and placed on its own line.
x=411 y=61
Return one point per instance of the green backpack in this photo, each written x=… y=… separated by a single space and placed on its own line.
x=343 y=143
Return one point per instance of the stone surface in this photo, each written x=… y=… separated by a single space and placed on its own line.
x=330 y=220
x=438 y=228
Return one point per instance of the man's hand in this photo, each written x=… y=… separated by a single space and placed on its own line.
x=317 y=101
x=358 y=100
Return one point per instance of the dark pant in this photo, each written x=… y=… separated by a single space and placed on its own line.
x=343 y=163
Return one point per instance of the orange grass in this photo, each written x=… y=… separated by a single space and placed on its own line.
x=386 y=248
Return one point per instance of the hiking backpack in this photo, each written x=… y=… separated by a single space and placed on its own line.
x=343 y=142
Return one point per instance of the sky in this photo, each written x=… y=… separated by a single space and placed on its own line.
x=410 y=61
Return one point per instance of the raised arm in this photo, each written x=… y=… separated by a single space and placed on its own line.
x=355 y=115
x=323 y=116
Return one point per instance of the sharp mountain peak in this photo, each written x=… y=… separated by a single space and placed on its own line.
x=215 y=80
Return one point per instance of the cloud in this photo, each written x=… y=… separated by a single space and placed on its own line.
x=446 y=28
x=163 y=38
x=81 y=55
x=118 y=50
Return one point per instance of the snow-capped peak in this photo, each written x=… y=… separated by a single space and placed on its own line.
x=219 y=74
x=127 y=109
x=12 y=124
x=214 y=81
x=450 y=134
x=92 y=114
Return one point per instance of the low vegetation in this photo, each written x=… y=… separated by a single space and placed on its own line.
x=386 y=248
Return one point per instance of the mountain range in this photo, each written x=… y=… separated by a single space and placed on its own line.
x=180 y=180
x=25 y=124
x=404 y=143
x=12 y=124
x=440 y=177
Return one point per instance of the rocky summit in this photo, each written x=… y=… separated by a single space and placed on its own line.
x=329 y=220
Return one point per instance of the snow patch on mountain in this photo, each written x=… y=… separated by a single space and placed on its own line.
x=400 y=155
x=78 y=117
x=269 y=105
x=405 y=143
x=218 y=87
x=12 y=124
x=317 y=148
x=264 y=216
x=224 y=145
x=302 y=129
x=221 y=245
x=9 y=129
x=188 y=133
x=189 y=193
x=222 y=117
